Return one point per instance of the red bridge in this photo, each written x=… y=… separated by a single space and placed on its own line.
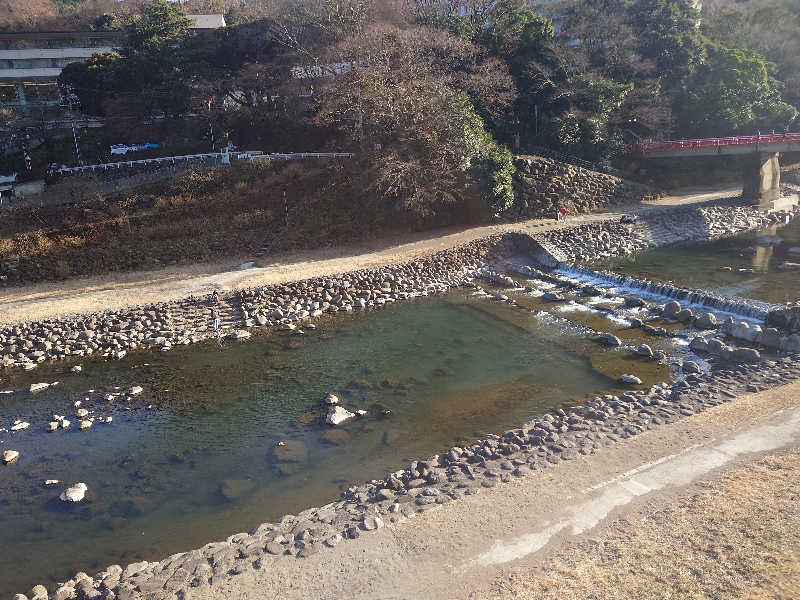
x=761 y=169
x=789 y=142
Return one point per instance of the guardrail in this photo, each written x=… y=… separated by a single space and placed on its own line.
x=303 y=155
x=160 y=161
x=741 y=140
x=169 y=160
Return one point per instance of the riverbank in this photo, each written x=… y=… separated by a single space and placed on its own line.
x=122 y=290
x=163 y=325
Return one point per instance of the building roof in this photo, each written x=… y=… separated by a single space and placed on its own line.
x=207 y=21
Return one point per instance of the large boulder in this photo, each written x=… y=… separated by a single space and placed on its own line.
x=76 y=493
x=9 y=456
x=610 y=340
x=698 y=344
x=671 y=309
x=644 y=350
x=630 y=380
x=706 y=321
x=337 y=415
x=746 y=355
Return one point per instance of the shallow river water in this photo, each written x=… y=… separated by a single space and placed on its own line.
x=199 y=466
x=754 y=269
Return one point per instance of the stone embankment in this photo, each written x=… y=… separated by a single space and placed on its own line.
x=542 y=186
x=426 y=484
x=659 y=228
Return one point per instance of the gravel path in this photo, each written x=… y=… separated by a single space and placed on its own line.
x=493 y=544
x=119 y=290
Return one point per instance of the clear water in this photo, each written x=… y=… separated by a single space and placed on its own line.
x=449 y=369
x=700 y=266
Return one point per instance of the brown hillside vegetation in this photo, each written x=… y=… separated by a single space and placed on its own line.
x=199 y=216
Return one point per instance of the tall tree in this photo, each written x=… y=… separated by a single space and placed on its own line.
x=668 y=35
x=732 y=92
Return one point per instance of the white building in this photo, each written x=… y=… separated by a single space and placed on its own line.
x=30 y=62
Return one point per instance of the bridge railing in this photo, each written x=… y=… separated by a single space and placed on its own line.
x=740 y=140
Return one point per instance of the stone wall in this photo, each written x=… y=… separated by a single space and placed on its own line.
x=542 y=186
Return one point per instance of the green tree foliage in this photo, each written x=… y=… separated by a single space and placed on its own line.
x=668 y=35
x=732 y=92
x=148 y=74
x=515 y=31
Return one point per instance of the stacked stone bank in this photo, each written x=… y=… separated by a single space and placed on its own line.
x=542 y=186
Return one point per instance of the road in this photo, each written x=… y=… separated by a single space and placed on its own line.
x=119 y=290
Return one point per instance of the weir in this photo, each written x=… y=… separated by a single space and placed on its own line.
x=750 y=309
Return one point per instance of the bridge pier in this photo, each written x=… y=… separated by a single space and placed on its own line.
x=762 y=179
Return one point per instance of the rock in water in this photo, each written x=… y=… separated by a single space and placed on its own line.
x=9 y=456
x=76 y=369
x=690 y=366
x=76 y=493
x=336 y=437
x=289 y=451
x=135 y=390
x=331 y=399
x=610 y=340
x=233 y=489
x=671 y=309
x=706 y=321
x=644 y=350
x=38 y=387
x=630 y=380
x=337 y=415
x=52 y=426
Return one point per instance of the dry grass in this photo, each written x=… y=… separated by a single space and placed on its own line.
x=739 y=537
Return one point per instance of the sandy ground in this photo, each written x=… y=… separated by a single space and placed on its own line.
x=120 y=290
x=690 y=510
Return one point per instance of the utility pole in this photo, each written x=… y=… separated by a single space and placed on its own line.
x=71 y=98
x=210 y=123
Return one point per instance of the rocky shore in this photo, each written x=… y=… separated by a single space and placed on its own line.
x=658 y=228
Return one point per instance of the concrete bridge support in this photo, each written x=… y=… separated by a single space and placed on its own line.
x=762 y=179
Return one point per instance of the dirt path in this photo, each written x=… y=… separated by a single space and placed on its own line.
x=118 y=290
x=630 y=500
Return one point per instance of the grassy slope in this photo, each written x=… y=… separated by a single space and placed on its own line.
x=201 y=215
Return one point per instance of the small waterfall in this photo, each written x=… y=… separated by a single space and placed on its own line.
x=751 y=309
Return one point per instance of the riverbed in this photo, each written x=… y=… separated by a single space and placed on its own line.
x=194 y=458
